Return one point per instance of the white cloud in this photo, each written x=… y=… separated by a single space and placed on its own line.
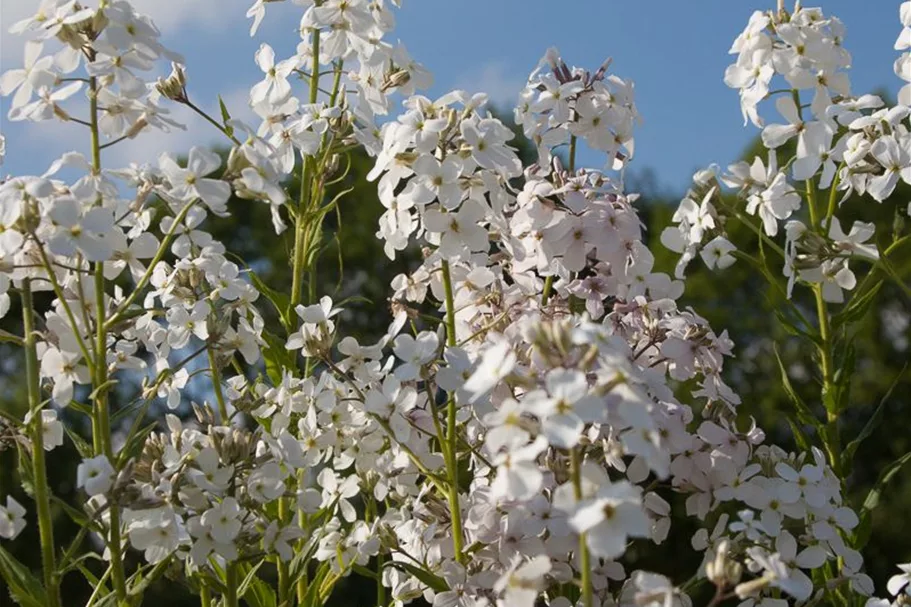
x=501 y=82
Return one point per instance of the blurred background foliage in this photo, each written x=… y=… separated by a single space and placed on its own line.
x=353 y=267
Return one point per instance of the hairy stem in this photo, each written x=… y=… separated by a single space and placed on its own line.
x=39 y=468
x=455 y=510
x=231 y=585
x=212 y=121
x=301 y=244
x=216 y=387
x=101 y=421
x=584 y=557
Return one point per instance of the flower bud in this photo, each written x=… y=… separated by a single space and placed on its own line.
x=395 y=79
x=174 y=87
x=95 y=25
x=752 y=587
x=137 y=128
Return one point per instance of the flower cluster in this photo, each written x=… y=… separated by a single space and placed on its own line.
x=510 y=450
x=844 y=144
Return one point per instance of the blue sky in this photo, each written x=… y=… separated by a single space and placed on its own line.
x=675 y=51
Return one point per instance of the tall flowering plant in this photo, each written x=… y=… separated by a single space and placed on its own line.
x=518 y=429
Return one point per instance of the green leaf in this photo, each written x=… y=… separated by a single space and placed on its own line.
x=76 y=515
x=24 y=468
x=804 y=414
x=277 y=357
x=259 y=594
x=858 y=307
x=793 y=329
x=425 y=577
x=312 y=598
x=800 y=437
x=280 y=301
x=134 y=444
x=872 y=500
x=225 y=116
x=249 y=573
x=82 y=446
x=23 y=587
x=847 y=457
x=862 y=534
x=81 y=408
x=363 y=571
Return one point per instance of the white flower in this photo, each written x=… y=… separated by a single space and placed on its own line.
x=415 y=352
x=222 y=520
x=266 y=482
x=89 y=232
x=567 y=408
x=654 y=590
x=522 y=583
x=158 y=532
x=52 y=429
x=496 y=363
x=279 y=539
x=210 y=476
x=460 y=232
x=274 y=88
x=717 y=253
x=12 y=519
x=33 y=76
x=95 y=475
x=614 y=514
x=206 y=543
x=898 y=583
x=519 y=476
x=188 y=184
x=776 y=202
x=834 y=275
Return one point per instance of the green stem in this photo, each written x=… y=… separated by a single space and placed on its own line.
x=301 y=244
x=205 y=596
x=380 y=588
x=548 y=287
x=212 y=121
x=231 y=585
x=584 y=557
x=216 y=387
x=549 y=281
x=101 y=422
x=39 y=468
x=572 y=154
x=58 y=291
x=455 y=510
x=826 y=365
x=833 y=196
x=284 y=571
x=150 y=269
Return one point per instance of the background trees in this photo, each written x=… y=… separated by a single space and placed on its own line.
x=736 y=300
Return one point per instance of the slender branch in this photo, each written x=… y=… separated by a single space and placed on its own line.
x=39 y=468
x=304 y=194
x=584 y=557
x=212 y=121
x=231 y=585
x=455 y=509
x=101 y=422
x=216 y=387
x=114 y=142
x=58 y=291
x=117 y=316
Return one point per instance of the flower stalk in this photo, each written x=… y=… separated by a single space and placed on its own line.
x=39 y=467
x=101 y=424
